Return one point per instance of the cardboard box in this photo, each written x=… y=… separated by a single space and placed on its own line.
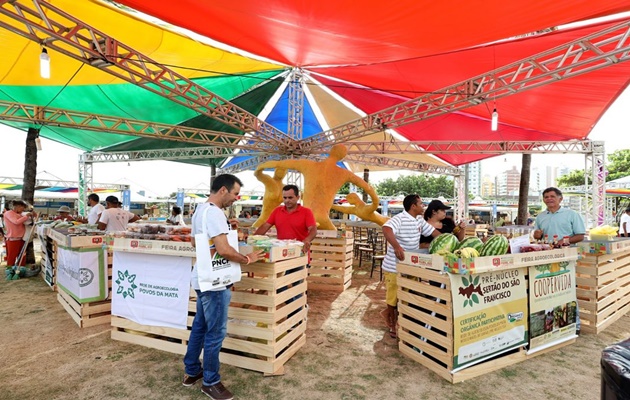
x=273 y=253
x=600 y=247
x=62 y=238
x=167 y=248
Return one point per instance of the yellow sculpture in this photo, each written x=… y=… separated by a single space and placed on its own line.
x=360 y=209
x=273 y=193
x=322 y=180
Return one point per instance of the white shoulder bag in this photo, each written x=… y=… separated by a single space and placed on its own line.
x=215 y=272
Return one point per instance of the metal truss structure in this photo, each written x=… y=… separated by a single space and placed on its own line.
x=39 y=183
x=296 y=104
x=68 y=35
x=28 y=113
x=590 y=53
x=190 y=153
x=467 y=147
x=53 y=28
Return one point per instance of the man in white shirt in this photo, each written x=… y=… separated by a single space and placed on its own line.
x=624 y=224
x=97 y=209
x=115 y=219
x=402 y=233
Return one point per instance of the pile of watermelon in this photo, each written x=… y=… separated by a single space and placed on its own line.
x=447 y=243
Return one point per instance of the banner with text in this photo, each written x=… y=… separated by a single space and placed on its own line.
x=489 y=314
x=82 y=273
x=151 y=289
x=553 y=304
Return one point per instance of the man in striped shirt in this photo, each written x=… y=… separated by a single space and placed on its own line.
x=402 y=233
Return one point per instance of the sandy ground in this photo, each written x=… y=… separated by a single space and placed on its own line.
x=348 y=355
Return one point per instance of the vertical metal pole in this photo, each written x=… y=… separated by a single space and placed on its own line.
x=296 y=104
x=461 y=194
x=599 y=183
x=366 y=178
x=86 y=182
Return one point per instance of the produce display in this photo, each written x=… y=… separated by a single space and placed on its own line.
x=446 y=242
x=471 y=242
x=173 y=233
x=603 y=232
x=495 y=246
x=448 y=246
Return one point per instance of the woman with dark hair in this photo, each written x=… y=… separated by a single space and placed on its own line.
x=176 y=217
x=14 y=221
x=435 y=215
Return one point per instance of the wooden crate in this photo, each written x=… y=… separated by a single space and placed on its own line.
x=93 y=313
x=331 y=264
x=48 y=262
x=603 y=289
x=86 y=314
x=266 y=327
x=426 y=326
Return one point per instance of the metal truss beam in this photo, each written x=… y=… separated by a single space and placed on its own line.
x=37 y=115
x=250 y=163
x=163 y=154
x=53 y=28
x=467 y=147
x=59 y=183
x=296 y=104
x=593 y=52
x=395 y=163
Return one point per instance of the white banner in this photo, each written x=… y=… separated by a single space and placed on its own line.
x=151 y=289
x=82 y=273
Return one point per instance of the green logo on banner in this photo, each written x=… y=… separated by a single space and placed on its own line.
x=125 y=284
x=469 y=290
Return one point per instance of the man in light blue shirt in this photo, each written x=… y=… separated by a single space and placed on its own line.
x=557 y=220
x=562 y=222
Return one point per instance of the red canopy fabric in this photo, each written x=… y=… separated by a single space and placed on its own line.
x=405 y=49
x=342 y=32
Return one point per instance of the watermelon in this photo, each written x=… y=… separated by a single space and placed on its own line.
x=473 y=242
x=497 y=245
x=446 y=241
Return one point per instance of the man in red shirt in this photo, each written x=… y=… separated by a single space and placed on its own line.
x=292 y=220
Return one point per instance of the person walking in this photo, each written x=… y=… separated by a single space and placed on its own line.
x=210 y=323
x=402 y=233
x=14 y=221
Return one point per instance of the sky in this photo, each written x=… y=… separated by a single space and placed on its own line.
x=160 y=178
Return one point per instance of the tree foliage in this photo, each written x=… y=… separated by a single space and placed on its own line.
x=573 y=178
x=618 y=166
x=425 y=186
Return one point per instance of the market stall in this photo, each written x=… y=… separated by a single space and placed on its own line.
x=463 y=318
x=153 y=305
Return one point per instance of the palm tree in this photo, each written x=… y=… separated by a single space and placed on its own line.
x=30 y=175
x=523 y=190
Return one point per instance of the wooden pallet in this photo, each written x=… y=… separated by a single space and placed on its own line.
x=86 y=314
x=331 y=264
x=93 y=313
x=426 y=326
x=266 y=327
x=603 y=289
